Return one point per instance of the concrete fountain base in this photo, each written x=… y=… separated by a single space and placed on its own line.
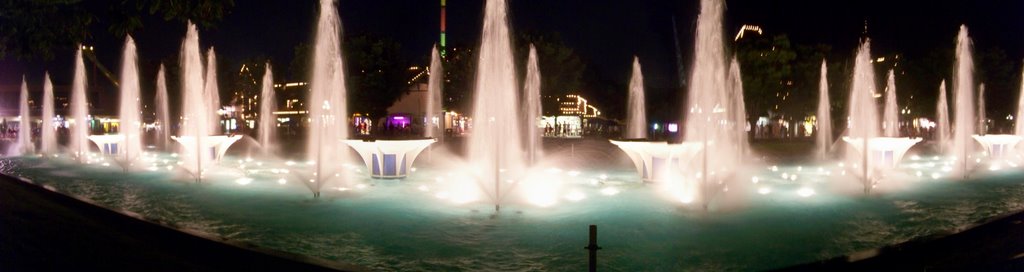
x=108 y=144
x=658 y=160
x=389 y=159
x=217 y=144
x=998 y=145
x=885 y=152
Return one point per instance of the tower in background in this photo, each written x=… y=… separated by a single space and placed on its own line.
x=443 y=48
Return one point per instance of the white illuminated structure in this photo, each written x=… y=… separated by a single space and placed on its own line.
x=218 y=144
x=656 y=161
x=108 y=143
x=885 y=152
x=389 y=159
x=998 y=145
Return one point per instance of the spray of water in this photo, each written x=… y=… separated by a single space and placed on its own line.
x=963 y=96
x=79 y=141
x=982 y=119
x=943 y=132
x=211 y=92
x=47 y=134
x=268 y=125
x=435 y=115
x=327 y=105
x=890 y=121
x=824 y=118
x=636 y=121
x=495 y=144
x=130 y=127
x=25 y=145
x=163 y=116
x=532 y=108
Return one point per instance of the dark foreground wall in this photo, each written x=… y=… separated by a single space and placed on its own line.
x=42 y=230
x=995 y=245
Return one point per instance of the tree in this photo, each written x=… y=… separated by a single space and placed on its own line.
x=38 y=29
x=377 y=74
x=460 y=74
x=561 y=69
x=767 y=65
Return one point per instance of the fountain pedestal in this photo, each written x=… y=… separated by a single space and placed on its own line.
x=217 y=144
x=885 y=152
x=655 y=161
x=108 y=143
x=389 y=159
x=998 y=145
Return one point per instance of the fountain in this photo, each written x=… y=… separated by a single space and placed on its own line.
x=389 y=159
x=982 y=119
x=533 y=111
x=495 y=144
x=890 y=119
x=636 y=121
x=655 y=161
x=327 y=103
x=127 y=143
x=211 y=92
x=47 y=133
x=996 y=146
x=710 y=118
x=267 y=123
x=963 y=94
x=1019 y=117
x=163 y=115
x=434 y=111
x=739 y=109
x=24 y=144
x=943 y=133
x=196 y=134
x=79 y=141
x=868 y=154
x=824 y=118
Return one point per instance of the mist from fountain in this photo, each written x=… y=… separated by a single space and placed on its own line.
x=495 y=143
x=327 y=103
x=824 y=116
x=1019 y=117
x=163 y=115
x=636 y=120
x=434 y=111
x=24 y=146
x=268 y=104
x=982 y=119
x=194 y=107
x=963 y=96
x=47 y=133
x=711 y=114
x=130 y=127
x=211 y=92
x=532 y=109
x=79 y=141
x=863 y=115
x=739 y=109
x=891 y=121
x=943 y=131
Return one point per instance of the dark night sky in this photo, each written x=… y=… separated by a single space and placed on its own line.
x=605 y=33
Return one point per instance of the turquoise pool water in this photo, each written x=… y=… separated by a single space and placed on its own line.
x=403 y=225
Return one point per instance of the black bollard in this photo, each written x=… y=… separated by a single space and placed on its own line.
x=593 y=248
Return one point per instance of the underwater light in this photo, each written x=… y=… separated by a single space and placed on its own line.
x=243 y=181
x=610 y=191
x=805 y=192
